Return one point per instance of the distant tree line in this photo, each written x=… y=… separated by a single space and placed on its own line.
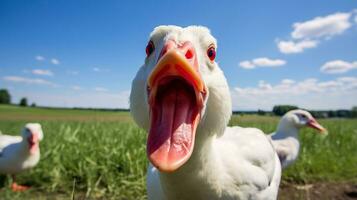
x=335 y=113
x=5 y=98
x=280 y=110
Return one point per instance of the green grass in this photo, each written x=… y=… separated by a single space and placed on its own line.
x=329 y=158
x=101 y=155
x=15 y=113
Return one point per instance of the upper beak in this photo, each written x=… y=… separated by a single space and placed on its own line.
x=176 y=62
x=314 y=124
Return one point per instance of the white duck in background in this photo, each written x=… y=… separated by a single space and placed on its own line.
x=286 y=138
x=181 y=97
x=19 y=153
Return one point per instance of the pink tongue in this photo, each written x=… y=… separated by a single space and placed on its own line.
x=173 y=122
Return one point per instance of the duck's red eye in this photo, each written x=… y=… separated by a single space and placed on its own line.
x=149 y=48
x=211 y=53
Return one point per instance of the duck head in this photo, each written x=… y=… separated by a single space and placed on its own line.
x=180 y=94
x=32 y=134
x=302 y=118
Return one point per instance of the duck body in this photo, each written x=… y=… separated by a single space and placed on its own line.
x=20 y=153
x=227 y=168
x=14 y=155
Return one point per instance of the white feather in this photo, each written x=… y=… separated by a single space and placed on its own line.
x=14 y=151
x=286 y=138
x=227 y=162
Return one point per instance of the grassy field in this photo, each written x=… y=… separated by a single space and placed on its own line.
x=101 y=155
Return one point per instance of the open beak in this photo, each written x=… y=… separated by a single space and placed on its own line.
x=314 y=124
x=176 y=95
x=33 y=143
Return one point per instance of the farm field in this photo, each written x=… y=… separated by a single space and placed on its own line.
x=101 y=155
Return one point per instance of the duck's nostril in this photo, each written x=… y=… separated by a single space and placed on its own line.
x=189 y=54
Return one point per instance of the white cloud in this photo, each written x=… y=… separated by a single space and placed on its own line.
x=246 y=65
x=266 y=62
x=287 y=81
x=289 y=47
x=262 y=62
x=347 y=79
x=55 y=61
x=97 y=69
x=37 y=81
x=76 y=87
x=101 y=89
x=42 y=72
x=102 y=70
x=308 y=34
x=356 y=18
x=264 y=86
x=309 y=93
x=329 y=84
x=330 y=25
x=40 y=58
x=337 y=67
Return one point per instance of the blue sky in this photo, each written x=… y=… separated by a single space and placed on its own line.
x=85 y=53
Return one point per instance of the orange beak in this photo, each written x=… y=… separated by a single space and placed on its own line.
x=33 y=142
x=176 y=94
x=174 y=64
x=314 y=124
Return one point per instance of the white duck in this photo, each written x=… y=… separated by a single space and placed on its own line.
x=181 y=97
x=286 y=138
x=20 y=153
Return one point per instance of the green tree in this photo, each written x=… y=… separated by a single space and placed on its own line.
x=23 y=102
x=354 y=112
x=280 y=110
x=261 y=112
x=343 y=113
x=33 y=104
x=5 y=97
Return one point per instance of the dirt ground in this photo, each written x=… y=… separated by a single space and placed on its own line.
x=317 y=191
x=287 y=191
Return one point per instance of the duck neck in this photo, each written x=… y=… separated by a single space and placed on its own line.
x=286 y=130
x=197 y=171
x=287 y=134
x=28 y=149
x=203 y=153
